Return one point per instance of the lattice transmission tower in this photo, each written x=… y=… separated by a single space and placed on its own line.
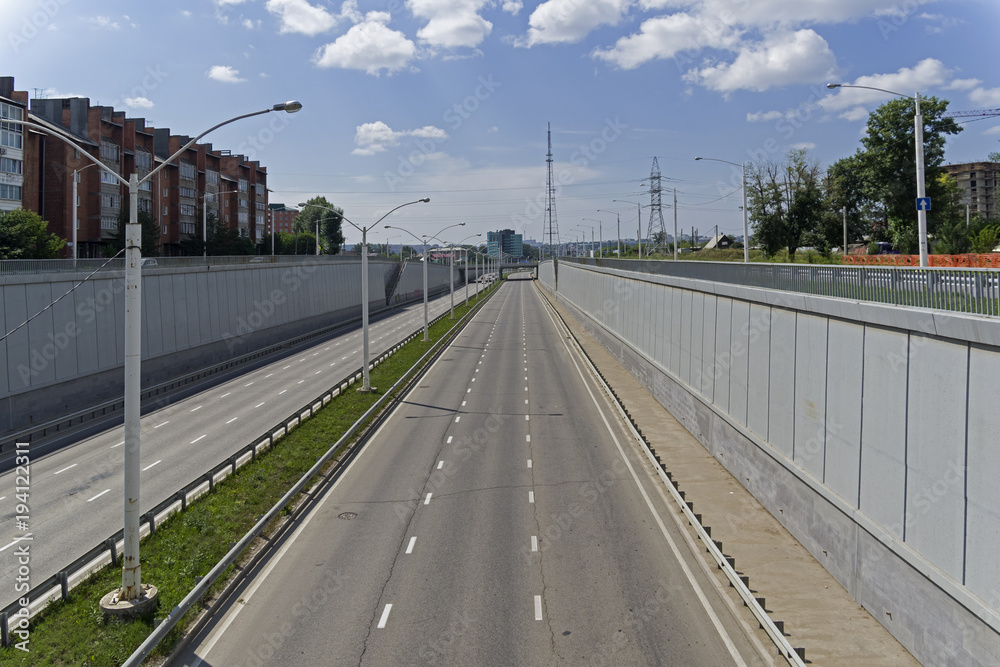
x=656 y=232
x=551 y=225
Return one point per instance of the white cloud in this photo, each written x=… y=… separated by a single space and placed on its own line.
x=225 y=74
x=298 y=16
x=372 y=138
x=784 y=58
x=451 y=23
x=986 y=97
x=764 y=116
x=104 y=23
x=369 y=46
x=928 y=73
x=993 y=130
x=803 y=146
x=963 y=84
x=665 y=37
x=493 y=130
x=562 y=21
x=855 y=113
x=250 y=24
x=138 y=103
x=512 y=6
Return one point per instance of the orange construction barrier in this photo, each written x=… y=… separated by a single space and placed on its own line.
x=974 y=261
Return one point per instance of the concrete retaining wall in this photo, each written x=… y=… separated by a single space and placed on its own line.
x=870 y=431
x=191 y=318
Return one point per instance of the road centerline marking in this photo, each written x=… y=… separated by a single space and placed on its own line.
x=99 y=495
x=151 y=465
x=199 y=438
x=64 y=469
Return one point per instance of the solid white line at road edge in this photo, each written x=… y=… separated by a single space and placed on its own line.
x=723 y=634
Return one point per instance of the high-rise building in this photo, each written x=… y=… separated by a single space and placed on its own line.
x=505 y=240
x=978 y=182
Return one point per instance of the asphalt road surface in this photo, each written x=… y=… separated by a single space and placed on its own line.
x=76 y=493
x=500 y=516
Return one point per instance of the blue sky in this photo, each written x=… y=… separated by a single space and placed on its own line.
x=450 y=99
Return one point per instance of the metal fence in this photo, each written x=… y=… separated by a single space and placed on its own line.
x=19 y=267
x=975 y=291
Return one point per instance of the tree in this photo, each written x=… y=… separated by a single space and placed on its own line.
x=784 y=201
x=887 y=164
x=24 y=235
x=993 y=157
x=331 y=234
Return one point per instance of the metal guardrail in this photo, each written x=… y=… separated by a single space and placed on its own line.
x=974 y=291
x=108 y=550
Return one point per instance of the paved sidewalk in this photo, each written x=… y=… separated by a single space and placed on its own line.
x=817 y=611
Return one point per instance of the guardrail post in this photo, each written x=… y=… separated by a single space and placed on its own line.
x=211 y=481
x=182 y=494
x=64 y=583
x=4 y=631
x=112 y=546
x=152 y=522
x=232 y=460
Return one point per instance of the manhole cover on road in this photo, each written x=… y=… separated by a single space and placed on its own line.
x=346 y=516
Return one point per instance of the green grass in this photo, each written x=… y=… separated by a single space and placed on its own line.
x=189 y=544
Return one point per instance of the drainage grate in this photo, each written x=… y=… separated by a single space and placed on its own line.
x=346 y=516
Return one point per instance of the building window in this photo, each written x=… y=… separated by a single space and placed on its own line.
x=109 y=151
x=164 y=209
x=143 y=159
x=11 y=135
x=187 y=209
x=243 y=203
x=110 y=201
x=146 y=187
x=211 y=177
x=11 y=166
x=145 y=205
x=108 y=177
x=244 y=185
x=164 y=230
x=10 y=191
x=109 y=223
x=187 y=171
x=187 y=228
x=188 y=192
x=244 y=218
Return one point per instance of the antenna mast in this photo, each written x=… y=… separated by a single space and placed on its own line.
x=551 y=225
x=656 y=230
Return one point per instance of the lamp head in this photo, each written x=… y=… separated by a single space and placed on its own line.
x=697 y=158
x=833 y=85
x=303 y=204
x=291 y=106
x=425 y=199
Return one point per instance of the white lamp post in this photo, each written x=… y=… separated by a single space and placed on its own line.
x=132 y=589
x=426 y=258
x=918 y=140
x=638 y=207
x=746 y=231
x=366 y=380
x=204 y=218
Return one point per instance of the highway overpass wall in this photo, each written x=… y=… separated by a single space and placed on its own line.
x=869 y=431
x=71 y=357
x=411 y=281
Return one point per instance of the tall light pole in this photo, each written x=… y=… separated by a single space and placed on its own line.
x=75 y=195
x=366 y=385
x=746 y=230
x=472 y=236
x=132 y=595
x=601 y=235
x=918 y=140
x=204 y=218
x=638 y=207
x=619 y=223
x=425 y=239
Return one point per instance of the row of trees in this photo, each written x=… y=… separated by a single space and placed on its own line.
x=795 y=203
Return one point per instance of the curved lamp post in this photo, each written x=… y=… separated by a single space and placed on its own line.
x=746 y=232
x=918 y=140
x=75 y=225
x=132 y=589
x=424 y=242
x=466 y=250
x=366 y=380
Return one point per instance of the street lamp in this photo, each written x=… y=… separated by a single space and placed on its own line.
x=75 y=177
x=918 y=140
x=132 y=597
x=425 y=238
x=466 y=273
x=204 y=217
x=619 y=223
x=366 y=380
x=601 y=235
x=638 y=207
x=746 y=232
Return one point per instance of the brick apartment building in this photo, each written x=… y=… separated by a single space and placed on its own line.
x=978 y=182
x=281 y=218
x=37 y=172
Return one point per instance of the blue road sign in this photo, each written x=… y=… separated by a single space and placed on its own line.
x=923 y=203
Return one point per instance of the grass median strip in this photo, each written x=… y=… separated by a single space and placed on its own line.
x=190 y=543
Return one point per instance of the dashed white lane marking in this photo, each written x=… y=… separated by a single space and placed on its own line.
x=526 y=418
x=527 y=438
x=151 y=465
x=529 y=463
x=473 y=379
x=317 y=372
x=525 y=401
x=469 y=390
x=64 y=469
x=118 y=445
x=226 y=394
x=538 y=607
x=196 y=409
x=282 y=392
x=259 y=404
x=248 y=384
x=449 y=439
x=99 y=495
x=427 y=500
x=409 y=547
x=199 y=438
x=385 y=616
x=232 y=420
x=301 y=381
x=268 y=375
x=286 y=368
x=458 y=419
x=531 y=496
x=163 y=424
x=534 y=543
x=440 y=465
